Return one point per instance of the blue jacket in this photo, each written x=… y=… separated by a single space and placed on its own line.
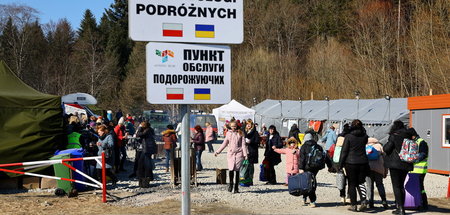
x=330 y=137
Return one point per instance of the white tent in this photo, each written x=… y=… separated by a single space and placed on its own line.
x=232 y=109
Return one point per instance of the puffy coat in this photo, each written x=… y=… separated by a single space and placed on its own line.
x=330 y=138
x=237 y=150
x=292 y=159
x=169 y=138
x=273 y=157
x=354 y=148
x=377 y=165
x=253 y=136
x=393 y=148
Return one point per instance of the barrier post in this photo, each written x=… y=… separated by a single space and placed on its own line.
x=103 y=178
x=448 y=186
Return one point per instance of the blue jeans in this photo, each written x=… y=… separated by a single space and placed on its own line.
x=167 y=158
x=198 y=155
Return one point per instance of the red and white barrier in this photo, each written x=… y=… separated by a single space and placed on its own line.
x=36 y=164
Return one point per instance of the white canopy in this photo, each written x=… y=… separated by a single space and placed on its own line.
x=79 y=98
x=232 y=109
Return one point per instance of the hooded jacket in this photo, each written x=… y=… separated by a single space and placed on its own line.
x=169 y=138
x=354 y=148
x=393 y=148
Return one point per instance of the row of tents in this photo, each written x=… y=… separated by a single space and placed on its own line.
x=376 y=114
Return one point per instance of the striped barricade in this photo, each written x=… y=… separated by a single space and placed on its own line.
x=35 y=164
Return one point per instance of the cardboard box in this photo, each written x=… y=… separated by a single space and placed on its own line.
x=31 y=183
x=48 y=183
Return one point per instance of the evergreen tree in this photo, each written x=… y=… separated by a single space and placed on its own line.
x=88 y=24
x=6 y=43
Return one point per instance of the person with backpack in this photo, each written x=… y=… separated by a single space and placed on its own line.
x=354 y=161
x=312 y=159
x=421 y=166
x=272 y=158
x=210 y=136
x=252 y=140
x=398 y=168
x=374 y=151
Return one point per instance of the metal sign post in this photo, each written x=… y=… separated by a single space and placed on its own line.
x=185 y=164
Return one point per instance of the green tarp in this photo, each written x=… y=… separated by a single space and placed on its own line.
x=31 y=122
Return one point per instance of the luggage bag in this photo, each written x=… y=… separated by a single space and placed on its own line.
x=301 y=184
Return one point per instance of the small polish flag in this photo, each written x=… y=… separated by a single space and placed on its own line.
x=172 y=29
x=174 y=94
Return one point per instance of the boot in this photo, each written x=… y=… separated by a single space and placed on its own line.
x=236 y=185
x=363 y=206
x=402 y=210
x=424 y=202
x=353 y=208
x=230 y=185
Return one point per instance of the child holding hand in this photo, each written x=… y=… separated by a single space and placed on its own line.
x=292 y=157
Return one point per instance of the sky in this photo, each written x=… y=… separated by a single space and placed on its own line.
x=72 y=10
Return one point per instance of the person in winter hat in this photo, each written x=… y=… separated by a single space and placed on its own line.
x=292 y=157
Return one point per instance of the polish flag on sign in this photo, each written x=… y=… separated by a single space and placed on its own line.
x=174 y=94
x=172 y=30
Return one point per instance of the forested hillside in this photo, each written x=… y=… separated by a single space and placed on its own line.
x=292 y=49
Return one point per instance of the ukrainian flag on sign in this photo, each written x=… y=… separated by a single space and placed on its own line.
x=202 y=94
x=204 y=31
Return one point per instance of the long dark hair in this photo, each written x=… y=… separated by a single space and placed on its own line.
x=274 y=129
x=397 y=125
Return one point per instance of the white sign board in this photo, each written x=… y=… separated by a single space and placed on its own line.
x=195 y=21
x=188 y=73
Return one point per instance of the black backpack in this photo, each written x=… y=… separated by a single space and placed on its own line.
x=316 y=158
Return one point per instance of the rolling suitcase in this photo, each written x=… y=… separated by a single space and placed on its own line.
x=301 y=184
x=413 y=197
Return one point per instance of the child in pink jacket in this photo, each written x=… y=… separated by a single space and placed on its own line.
x=292 y=157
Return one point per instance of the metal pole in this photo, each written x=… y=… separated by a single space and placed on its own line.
x=185 y=165
x=389 y=110
x=357 y=107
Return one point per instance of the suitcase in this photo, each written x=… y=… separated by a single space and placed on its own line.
x=413 y=197
x=301 y=184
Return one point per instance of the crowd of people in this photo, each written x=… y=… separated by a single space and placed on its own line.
x=359 y=161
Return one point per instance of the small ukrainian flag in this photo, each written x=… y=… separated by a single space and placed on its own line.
x=204 y=31
x=202 y=94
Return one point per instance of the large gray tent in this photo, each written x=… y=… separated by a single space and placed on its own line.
x=376 y=114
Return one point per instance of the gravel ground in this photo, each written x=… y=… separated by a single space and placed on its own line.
x=257 y=199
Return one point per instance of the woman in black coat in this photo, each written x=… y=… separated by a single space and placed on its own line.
x=354 y=160
x=398 y=169
x=145 y=163
x=273 y=139
x=252 y=140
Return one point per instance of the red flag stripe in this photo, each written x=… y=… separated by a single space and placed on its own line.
x=175 y=96
x=172 y=33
